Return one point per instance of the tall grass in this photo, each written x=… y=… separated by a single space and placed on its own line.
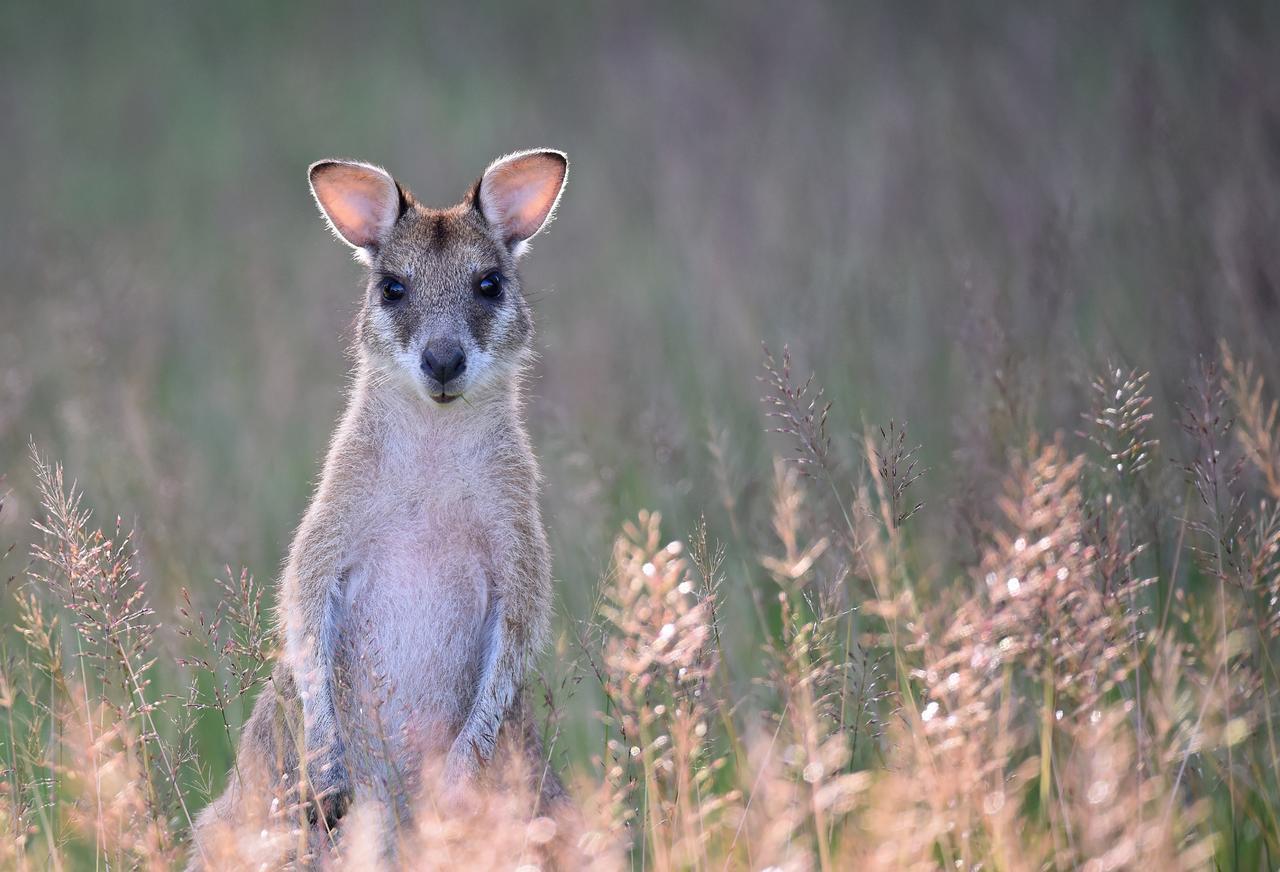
x=1083 y=695
x=1027 y=229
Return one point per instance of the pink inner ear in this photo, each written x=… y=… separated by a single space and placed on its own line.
x=519 y=194
x=361 y=202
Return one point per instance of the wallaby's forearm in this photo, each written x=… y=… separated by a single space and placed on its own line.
x=309 y=643
x=501 y=673
x=518 y=627
x=312 y=587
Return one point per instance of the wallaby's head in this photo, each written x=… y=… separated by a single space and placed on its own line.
x=443 y=309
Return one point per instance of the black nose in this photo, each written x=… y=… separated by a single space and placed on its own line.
x=443 y=361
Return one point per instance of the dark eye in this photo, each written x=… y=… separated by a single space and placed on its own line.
x=490 y=285
x=392 y=291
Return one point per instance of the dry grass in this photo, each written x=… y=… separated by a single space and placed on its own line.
x=1004 y=224
x=1077 y=701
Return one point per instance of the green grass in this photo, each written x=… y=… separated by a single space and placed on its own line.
x=957 y=217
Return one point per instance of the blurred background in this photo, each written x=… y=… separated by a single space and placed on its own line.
x=954 y=215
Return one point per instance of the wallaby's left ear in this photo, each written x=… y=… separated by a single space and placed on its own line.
x=518 y=194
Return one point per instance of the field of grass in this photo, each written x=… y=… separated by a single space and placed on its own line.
x=1034 y=626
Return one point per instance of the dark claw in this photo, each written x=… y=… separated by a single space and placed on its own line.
x=332 y=805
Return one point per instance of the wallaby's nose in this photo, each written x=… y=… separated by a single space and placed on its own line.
x=443 y=360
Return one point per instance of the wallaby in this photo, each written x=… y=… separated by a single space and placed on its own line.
x=417 y=592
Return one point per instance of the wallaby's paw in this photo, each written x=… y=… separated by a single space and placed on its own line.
x=329 y=809
x=332 y=795
x=459 y=780
x=458 y=798
x=462 y=765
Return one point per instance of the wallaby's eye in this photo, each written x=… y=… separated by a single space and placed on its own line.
x=490 y=285
x=392 y=291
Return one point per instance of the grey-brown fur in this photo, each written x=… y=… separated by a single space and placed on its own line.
x=418 y=587
x=445 y=245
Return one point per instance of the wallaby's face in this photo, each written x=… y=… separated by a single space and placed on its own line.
x=443 y=309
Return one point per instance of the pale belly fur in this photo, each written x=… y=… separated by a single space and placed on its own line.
x=412 y=633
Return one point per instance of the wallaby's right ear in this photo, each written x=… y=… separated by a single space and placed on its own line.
x=360 y=201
